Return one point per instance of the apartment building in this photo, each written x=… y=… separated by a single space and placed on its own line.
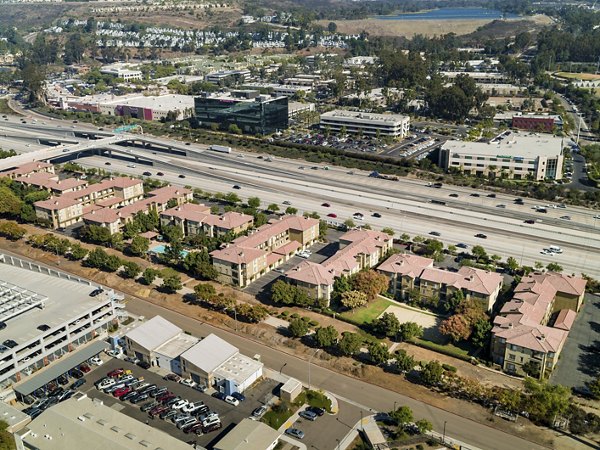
x=358 y=250
x=33 y=296
x=532 y=328
x=59 y=212
x=247 y=258
x=27 y=169
x=393 y=125
x=511 y=154
x=410 y=273
x=195 y=219
x=50 y=182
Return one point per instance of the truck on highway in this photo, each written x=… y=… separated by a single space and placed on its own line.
x=220 y=148
x=382 y=176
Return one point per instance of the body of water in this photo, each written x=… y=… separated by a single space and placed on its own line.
x=452 y=14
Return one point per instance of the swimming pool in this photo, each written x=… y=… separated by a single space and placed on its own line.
x=160 y=249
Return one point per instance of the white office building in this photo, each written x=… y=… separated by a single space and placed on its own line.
x=51 y=323
x=122 y=72
x=511 y=154
x=393 y=125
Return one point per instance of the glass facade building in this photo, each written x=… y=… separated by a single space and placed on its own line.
x=259 y=115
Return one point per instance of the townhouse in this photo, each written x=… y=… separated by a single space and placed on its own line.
x=531 y=329
x=28 y=169
x=248 y=258
x=411 y=274
x=358 y=250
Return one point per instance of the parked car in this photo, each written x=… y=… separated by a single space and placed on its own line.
x=180 y=404
x=96 y=361
x=308 y=415
x=231 y=400
x=115 y=373
x=239 y=396
x=172 y=377
x=77 y=384
x=315 y=409
x=139 y=398
x=212 y=427
x=168 y=414
x=188 y=382
x=295 y=432
x=219 y=395
x=144 y=364
x=148 y=406
x=259 y=412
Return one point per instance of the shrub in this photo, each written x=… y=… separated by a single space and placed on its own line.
x=449 y=368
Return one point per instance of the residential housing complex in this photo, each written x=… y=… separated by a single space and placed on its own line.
x=248 y=258
x=531 y=329
x=410 y=274
x=392 y=125
x=358 y=250
x=511 y=154
x=194 y=219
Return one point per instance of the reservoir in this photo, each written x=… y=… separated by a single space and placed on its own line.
x=452 y=14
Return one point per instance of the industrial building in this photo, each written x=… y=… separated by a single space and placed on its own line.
x=83 y=423
x=392 y=125
x=53 y=320
x=249 y=435
x=511 y=154
x=251 y=112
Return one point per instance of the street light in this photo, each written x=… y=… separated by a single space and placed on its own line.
x=309 y=361
x=444 y=435
x=284 y=364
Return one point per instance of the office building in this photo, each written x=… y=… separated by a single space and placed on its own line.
x=391 y=125
x=251 y=112
x=511 y=155
x=531 y=329
x=82 y=423
x=537 y=122
x=54 y=321
x=122 y=72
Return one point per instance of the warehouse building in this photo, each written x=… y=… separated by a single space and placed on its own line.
x=159 y=343
x=54 y=322
x=249 y=435
x=83 y=423
x=392 y=125
x=215 y=362
x=511 y=155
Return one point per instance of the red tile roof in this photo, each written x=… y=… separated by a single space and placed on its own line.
x=311 y=273
x=238 y=255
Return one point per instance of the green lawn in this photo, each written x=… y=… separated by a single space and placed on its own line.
x=278 y=415
x=4 y=109
x=314 y=398
x=367 y=313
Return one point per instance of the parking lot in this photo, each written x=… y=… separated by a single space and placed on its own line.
x=229 y=415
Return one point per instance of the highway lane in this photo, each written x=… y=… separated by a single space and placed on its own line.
x=505 y=238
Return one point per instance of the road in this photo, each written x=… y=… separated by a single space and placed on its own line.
x=404 y=206
x=368 y=395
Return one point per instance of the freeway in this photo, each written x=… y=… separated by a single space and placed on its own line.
x=404 y=206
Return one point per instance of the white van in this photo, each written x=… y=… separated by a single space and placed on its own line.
x=555 y=249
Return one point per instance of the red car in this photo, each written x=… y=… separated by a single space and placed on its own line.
x=332 y=215
x=326 y=205
x=84 y=368
x=115 y=373
x=121 y=392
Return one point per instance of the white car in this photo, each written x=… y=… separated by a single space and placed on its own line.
x=180 y=404
x=597 y=216
x=232 y=400
x=188 y=382
x=106 y=384
x=96 y=361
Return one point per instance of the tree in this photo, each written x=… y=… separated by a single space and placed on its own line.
x=291 y=210
x=111 y=263
x=326 y=337
x=402 y=416
x=172 y=233
x=232 y=197
x=7 y=441
x=456 y=327
x=171 y=283
x=349 y=223
x=512 y=264
x=594 y=387
x=11 y=230
x=332 y=27
x=149 y=275
x=424 y=426
x=538 y=265
x=431 y=373
x=353 y=299
x=553 y=267
x=371 y=283
x=273 y=207
x=378 y=352
x=173 y=252
x=546 y=401
x=257 y=313
x=479 y=252
x=298 y=328
x=387 y=325
x=139 y=245
x=34 y=79
x=410 y=330
x=130 y=269
x=77 y=252
x=95 y=234
x=389 y=231
x=10 y=204
x=96 y=258
x=481 y=332
x=282 y=292
x=532 y=369
x=254 y=202
x=204 y=291
x=404 y=362
x=350 y=343
x=234 y=129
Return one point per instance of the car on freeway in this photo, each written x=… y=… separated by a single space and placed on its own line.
x=474 y=194
x=107 y=163
x=501 y=206
x=462 y=245
x=160 y=174
x=435 y=233
x=481 y=236
x=491 y=195
x=308 y=415
x=231 y=400
x=147 y=174
x=326 y=205
x=529 y=221
x=295 y=432
x=597 y=216
x=377 y=215
x=453 y=195
x=332 y=215
x=565 y=217
x=181 y=175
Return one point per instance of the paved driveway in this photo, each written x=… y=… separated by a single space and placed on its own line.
x=580 y=359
